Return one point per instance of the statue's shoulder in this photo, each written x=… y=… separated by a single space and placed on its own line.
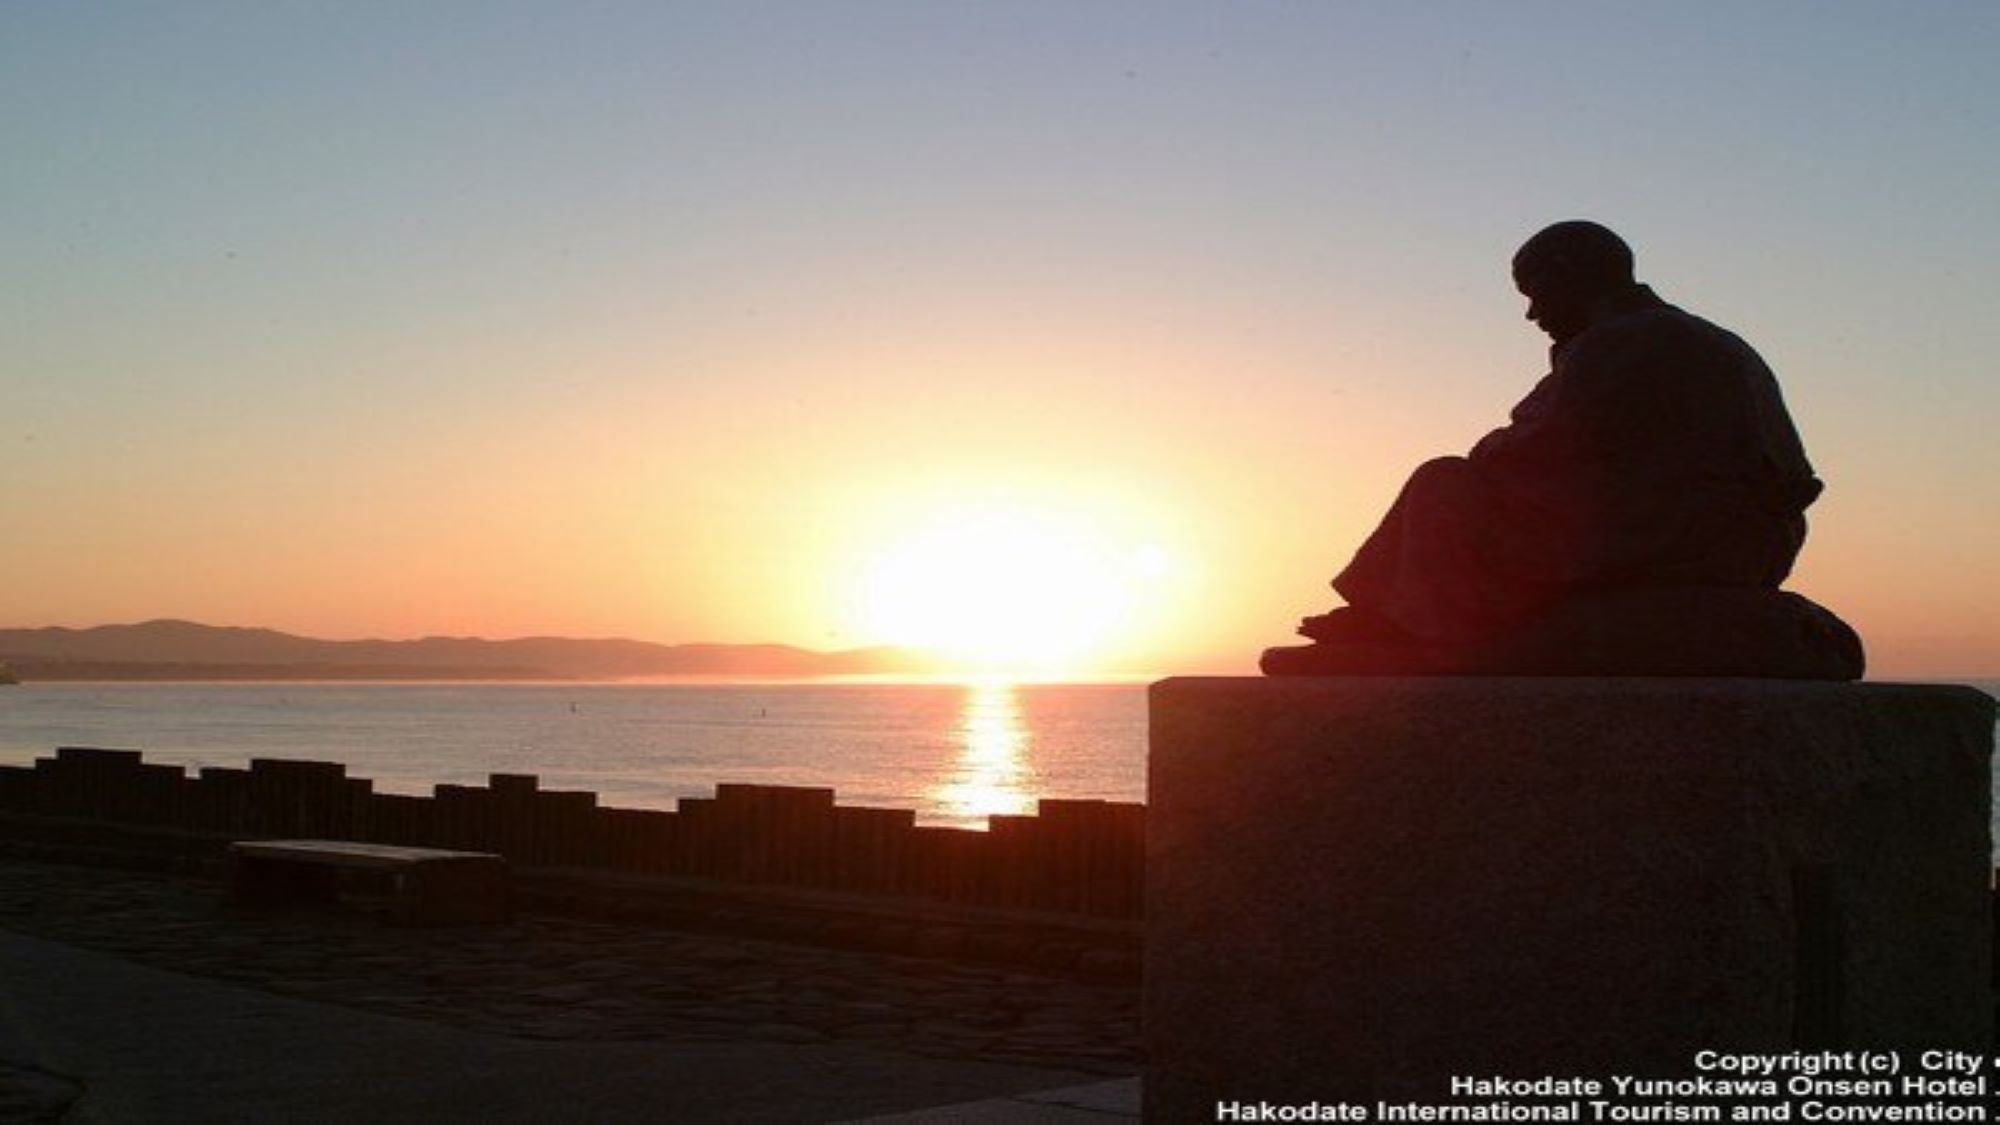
x=1660 y=331
x=1632 y=337
x=1729 y=348
x=1653 y=318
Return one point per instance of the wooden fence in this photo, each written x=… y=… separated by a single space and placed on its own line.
x=1072 y=857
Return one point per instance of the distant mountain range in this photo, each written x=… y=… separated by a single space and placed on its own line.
x=184 y=650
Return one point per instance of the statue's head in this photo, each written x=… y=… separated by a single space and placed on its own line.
x=1565 y=269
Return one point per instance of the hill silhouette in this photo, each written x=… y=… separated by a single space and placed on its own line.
x=170 y=649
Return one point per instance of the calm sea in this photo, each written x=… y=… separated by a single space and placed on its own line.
x=954 y=752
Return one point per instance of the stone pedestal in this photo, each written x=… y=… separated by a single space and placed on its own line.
x=1360 y=887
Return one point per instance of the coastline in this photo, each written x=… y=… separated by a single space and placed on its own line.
x=137 y=672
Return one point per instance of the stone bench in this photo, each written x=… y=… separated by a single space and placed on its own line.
x=425 y=886
x=1359 y=888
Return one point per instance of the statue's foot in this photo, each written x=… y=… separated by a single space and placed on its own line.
x=1381 y=658
x=1352 y=625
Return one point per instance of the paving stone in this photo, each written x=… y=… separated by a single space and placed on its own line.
x=563 y=993
x=785 y=1033
x=30 y=1094
x=555 y=978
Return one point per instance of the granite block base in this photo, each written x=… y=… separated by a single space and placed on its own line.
x=1360 y=888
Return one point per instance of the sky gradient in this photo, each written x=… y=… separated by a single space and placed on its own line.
x=685 y=321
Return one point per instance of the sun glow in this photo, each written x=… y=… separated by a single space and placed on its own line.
x=1007 y=589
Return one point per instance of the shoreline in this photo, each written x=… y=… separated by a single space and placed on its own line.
x=364 y=676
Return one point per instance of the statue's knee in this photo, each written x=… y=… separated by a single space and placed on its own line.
x=1442 y=467
x=1440 y=475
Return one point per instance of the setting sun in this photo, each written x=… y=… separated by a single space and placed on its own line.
x=1008 y=589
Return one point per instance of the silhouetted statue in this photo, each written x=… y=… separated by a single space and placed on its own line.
x=1634 y=517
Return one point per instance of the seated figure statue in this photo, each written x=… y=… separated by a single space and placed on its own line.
x=1635 y=517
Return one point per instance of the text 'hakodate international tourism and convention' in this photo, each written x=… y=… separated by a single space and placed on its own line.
x=1795 y=1086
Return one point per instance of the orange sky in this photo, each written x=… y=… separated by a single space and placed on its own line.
x=691 y=325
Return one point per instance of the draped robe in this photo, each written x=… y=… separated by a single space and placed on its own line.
x=1656 y=452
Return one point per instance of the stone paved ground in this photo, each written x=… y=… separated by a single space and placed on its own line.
x=556 y=978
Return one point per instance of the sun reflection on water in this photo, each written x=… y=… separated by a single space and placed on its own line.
x=991 y=774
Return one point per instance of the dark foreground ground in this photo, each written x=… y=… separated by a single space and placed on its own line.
x=550 y=1018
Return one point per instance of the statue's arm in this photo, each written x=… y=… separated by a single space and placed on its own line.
x=1535 y=430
